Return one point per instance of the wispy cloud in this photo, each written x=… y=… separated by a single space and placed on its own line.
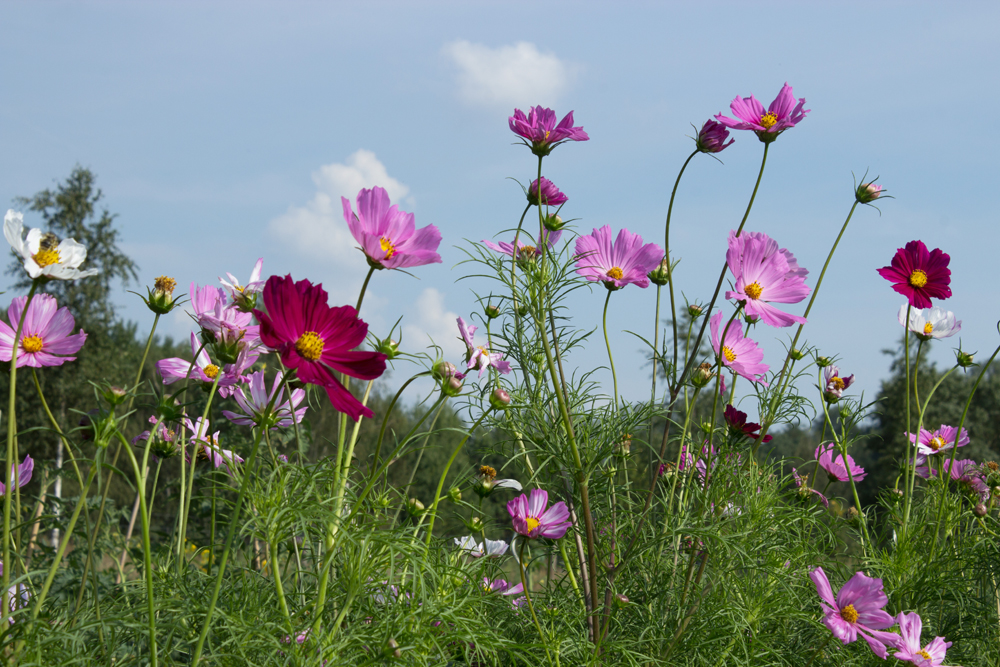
x=429 y=320
x=517 y=75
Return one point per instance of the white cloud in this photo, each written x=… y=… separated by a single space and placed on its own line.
x=428 y=319
x=517 y=75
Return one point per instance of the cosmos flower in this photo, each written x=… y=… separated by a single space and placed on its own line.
x=834 y=385
x=44 y=255
x=255 y=412
x=931 y=655
x=486 y=481
x=207 y=446
x=479 y=356
x=175 y=368
x=17 y=598
x=739 y=353
x=540 y=131
x=834 y=466
x=964 y=471
x=317 y=340
x=46 y=336
x=20 y=474
x=532 y=520
x=492 y=549
x=857 y=610
x=938 y=441
x=782 y=114
x=551 y=196
x=244 y=296
x=931 y=323
x=525 y=251
x=764 y=275
x=804 y=489
x=215 y=313
x=389 y=237
x=712 y=137
x=919 y=274
x=739 y=426
x=617 y=264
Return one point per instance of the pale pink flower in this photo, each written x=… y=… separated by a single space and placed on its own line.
x=46 y=336
x=479 y=356
x=931 y=655
x=857 y=610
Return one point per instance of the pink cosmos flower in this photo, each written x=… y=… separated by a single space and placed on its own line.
x=938 y=441
x=46 y=336
x=551 y=196
x=242 y=296
x=933 y=323
x=834 y=466
x=479 y=356
x=255 y=412
x=782 y=114
x=524 y=250
x=966 y=472
x=20 y=474
x=857 y=610
x=207 y=446
x=918 y=274
x=738 y=352
x=540 y=131
x=931 y=655
x=18 y=597
x=764 y=275
x=712 y=137
x=389 y=237
x=804 y=489
x=214 y=312
x=834 y=385
x=532 y=520
x=617 y=264
x=175 y=368
x=318 y=340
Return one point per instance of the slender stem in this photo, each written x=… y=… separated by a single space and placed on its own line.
x=611 y=359
x=444 y=474
x=906 y=352
x=666 y=254
x=656 y=357
x=194 y=459
x=385 y=419
x=531 y=607
x=364 y=288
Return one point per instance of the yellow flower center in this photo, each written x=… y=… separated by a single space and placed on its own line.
x=32 y=344
x=928 y=329
x=769 y=120
x=46 y=256
x=164 y=284
x=936 y=443
x=615 y=273
x=211 y=371
x=849 y=614
x=918 y=278
x=924 y=654
x=388 y=248
x=528 y=250
x=488 y=471
x=838 y=383
x=532 y=524
x=753 y=290
x=485 y=350
x=310 y=345
x=547 y=132
x=728 y=353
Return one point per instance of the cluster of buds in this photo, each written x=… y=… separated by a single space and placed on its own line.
x=160 y=299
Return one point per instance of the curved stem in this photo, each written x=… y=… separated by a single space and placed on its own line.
x=611 y=359
x=670 y=273
x=364 y=288
x=444 y=474
x=527 y=596
x=385 y=419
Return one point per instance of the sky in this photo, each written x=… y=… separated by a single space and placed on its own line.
x=224 y=132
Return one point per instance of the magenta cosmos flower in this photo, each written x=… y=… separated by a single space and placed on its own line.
x=738 y=352
x=626 y=260
x=782 y=114
x=203 y=370
x=834 y=385
x=739 y=426
x=46 y=336
x=540 y=131
x=764 y=275
x=255 y=408
x=931 y=655
x=834 y=466
x=525 y=251
x=919 y=274
x=318 y=340
x=938 y=441
x=480 y=356
x=712 y=137
x=551 y=196
x=532 y=520
x=20 y=474
x=857 y=610
x=389 y=237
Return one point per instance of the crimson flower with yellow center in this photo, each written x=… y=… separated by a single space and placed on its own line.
x=317 y=340
x=919 y=274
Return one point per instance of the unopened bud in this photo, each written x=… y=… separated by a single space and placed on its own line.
x=476 y=524
x=414 y=507
x=964 y=359
x=454 y=494
x=453 y=385
x=492 y=311
x=852 y=513
x=499 y=399
x=702 y=375
x=796 y=354
x=522 y=310
x=980 y=510
x=392 y=649
x=621 y=599
x=868 y=192
x=389 y=348
x=823 y=362
x=443 y=370
x=115 y=395
x=624 y=448
x=383 y=500
x=661 y=274
x=553 y=222
x=695 y=311
x=750 y=319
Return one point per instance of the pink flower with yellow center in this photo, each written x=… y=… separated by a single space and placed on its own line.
x=919 y=274
x=941 y=440
x=782 y=114
x=388 y=236
x=532 y=520
x=479 y=356
x=834 y=465
x=764 y=275
x=856 y=610
x=203 y=370
x=317 y=340
x=625 y=261
x=738 y=352
x=931 y=655
x=525 y=250
x=834 y=384
x=541 y=133
x=46 y=336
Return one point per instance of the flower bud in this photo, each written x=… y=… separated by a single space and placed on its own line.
x=695 y=311
x=443 y=370
x=553 y=222
x=389 y=348
x=414 y=507
x=160 y=299
x=115 y=395
x=702 y=375
x=823 y=362
x=620 y=600
x=382 y=501
x=796 y=354
x=624 y=448
x=522 y=310
x=454 y=494
x=661 y=274
x=492 y=311
x=853 y=514
x=712 y=137
x=392 y=649
x=979 y=510
x=964 y=359
x=166 y=446
x=868 y=192
x=750 y=319
x=476 y=524
x=499 y=399
x=453 y=385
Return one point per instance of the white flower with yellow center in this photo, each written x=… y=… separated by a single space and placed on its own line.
x=43 y=253
x=928 y=323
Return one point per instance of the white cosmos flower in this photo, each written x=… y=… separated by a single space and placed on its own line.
x=930 y=323
x=43 y=253
x=494 y=548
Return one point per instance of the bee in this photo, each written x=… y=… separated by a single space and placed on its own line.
x=49 y=241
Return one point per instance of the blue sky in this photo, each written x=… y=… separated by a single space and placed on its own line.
x=222 y=132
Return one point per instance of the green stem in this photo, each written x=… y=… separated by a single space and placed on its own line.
x=444 y=474
x=611 y=359
x=531 y=607
x=666 y=254
x=194 y=459
x=385 y=419
x=364 y=288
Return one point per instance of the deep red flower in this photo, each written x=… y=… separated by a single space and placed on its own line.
x=737 y=421
x=918 y=274
x=318 y=340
